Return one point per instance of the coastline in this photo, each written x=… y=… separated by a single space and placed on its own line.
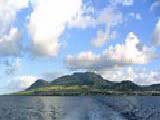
x=88 y=93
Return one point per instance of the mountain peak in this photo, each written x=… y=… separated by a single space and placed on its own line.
x=38 y=84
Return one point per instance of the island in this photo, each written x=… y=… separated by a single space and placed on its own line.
x=88 y=84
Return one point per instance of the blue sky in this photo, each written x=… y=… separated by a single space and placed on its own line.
x=118 y=39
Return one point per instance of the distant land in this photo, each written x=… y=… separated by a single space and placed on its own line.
x=88 y=84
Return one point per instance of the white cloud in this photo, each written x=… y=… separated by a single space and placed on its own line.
x=137 y=16
x=12 y=66
x=84 y=60
x=8 y=10
x=118 y=56
x=47 y=23
x=147 y=77
x=140 y=76
x=119 y=74
x=10 y=44
x=100 y=39
x=122 y=2
x=129 y=52
x=83 y=19
x=82 y=22
x=155 y=5
x=20 y=83
x=128 y=2
x=110 y=18
x=9 y=35
x=156 y=34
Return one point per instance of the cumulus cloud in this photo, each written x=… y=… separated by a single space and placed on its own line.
x=109 y=16
x=156 y=34
x=127 y=73
x=84 y=60
x=48 y=20
x=118 y=56
x=47 y=23
x=140 y=76
x=10 y=44
x=9 y=35
x=8 y=10
x=147 y=77
x=129 y=52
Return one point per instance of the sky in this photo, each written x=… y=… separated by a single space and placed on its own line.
x=118 y=39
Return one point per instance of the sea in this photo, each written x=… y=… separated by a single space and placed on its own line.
x=79 y=108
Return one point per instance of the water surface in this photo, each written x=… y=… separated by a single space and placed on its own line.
x=79 y=108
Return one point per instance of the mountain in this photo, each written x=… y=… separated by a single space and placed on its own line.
x=126 y=85
x=87 y=78
x=155 y=87
x=38 y=84
x=88 y=83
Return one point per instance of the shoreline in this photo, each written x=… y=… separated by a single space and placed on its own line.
x=89 y=93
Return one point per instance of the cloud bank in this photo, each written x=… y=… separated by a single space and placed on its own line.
x=141 y=76
x=129 y=53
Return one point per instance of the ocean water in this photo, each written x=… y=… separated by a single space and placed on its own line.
x=79 y=108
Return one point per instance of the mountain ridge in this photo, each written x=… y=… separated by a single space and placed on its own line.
x=87 y=83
